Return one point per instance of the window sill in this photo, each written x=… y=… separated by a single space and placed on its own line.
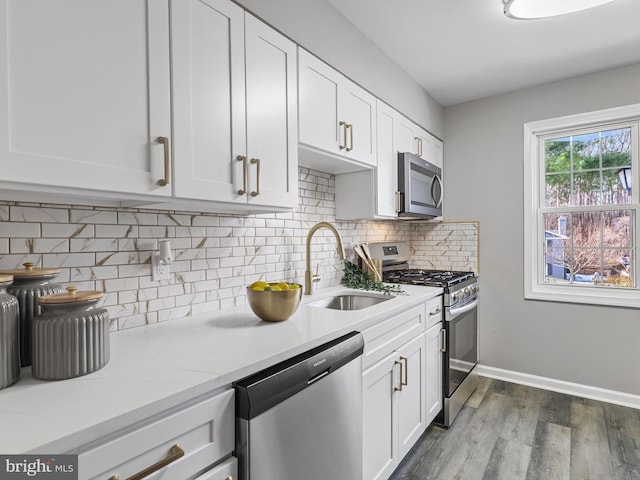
x=586 y=295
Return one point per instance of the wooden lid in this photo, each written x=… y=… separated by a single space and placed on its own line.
x=72 y=295
x=6 y=278
x=29 y=271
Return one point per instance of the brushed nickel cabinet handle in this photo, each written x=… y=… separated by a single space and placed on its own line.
x=175 y=453
x=245 y=174
x=115 y=477
x=344 y=135
x=350 y=127
x=420 y=147
x=443 y=340
x=398 y=362
x=406 y=371
x=398 y=202
x=256 y=161
x=167 y=167
x=417 y=140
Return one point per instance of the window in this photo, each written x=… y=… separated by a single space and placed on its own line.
x=581 y=187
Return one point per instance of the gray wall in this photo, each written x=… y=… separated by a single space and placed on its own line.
x=590 y=345
x=319 y=28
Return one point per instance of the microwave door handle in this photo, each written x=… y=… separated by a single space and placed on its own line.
x=436 y=178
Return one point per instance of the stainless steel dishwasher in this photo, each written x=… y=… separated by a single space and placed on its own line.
x=302 y=418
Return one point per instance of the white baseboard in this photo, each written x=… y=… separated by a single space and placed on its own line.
x=577 y=389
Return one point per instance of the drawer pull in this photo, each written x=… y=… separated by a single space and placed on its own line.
x=256 y=192
x=167 y=166
x=344 y=132
x=350 y=128
x=245 y=174
x=437 y=311
x=399 y=389
x=406 y=372
x=175 y=453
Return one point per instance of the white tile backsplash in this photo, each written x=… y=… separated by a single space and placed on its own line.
x=216 y=256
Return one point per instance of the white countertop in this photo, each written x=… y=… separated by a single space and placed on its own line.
x=160 y=366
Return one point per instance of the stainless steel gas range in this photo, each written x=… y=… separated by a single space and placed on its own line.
x=459 y=344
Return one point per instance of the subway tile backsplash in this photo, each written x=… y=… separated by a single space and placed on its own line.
x=216 y=256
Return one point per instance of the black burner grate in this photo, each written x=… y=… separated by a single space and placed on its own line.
x=437 y=278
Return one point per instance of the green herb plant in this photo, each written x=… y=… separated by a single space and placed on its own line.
x=355 y=277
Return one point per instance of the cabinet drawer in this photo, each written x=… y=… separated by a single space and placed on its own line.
x=227 y=470
x=205 y=431
x=381 y=339
x=434 y=311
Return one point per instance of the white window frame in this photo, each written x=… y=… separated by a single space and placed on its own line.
x=535 y=287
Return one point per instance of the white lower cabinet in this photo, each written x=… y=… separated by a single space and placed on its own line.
x=183 y=444
x=393 y=406
x=401 y=385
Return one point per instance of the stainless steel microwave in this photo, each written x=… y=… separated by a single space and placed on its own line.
x=419 y=187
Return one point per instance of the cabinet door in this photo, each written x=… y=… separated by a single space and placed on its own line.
x=357 y=108
x=84 y=93
x=433 y=373
x=380 y=449
x=272 y=136
x=387 y=171
x=430 y=148
x=209 y=100
x=406 y=135
x=318 y=86
x=411 y=412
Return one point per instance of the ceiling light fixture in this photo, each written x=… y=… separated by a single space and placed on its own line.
x=530 y=9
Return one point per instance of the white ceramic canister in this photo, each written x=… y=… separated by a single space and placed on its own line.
x=9 y=335
x=70 y=336
x=28 y=285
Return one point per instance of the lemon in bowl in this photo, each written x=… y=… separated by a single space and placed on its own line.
x=274 y=301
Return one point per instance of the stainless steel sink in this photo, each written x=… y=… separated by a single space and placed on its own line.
x=351 y=301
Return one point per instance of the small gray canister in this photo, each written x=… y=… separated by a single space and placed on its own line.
x=28 y=285
x=71 y=336
x=9 y=335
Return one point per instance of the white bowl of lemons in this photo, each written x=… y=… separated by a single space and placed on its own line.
x=274 y=301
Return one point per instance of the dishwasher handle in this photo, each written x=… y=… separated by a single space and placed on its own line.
x=264 y=390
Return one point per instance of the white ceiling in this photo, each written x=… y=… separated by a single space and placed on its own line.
x=461 y=50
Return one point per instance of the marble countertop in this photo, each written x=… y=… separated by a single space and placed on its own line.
x=160 y=366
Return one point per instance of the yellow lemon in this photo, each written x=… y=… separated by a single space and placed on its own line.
x=258 y=285
x=258 y=288
x=274 y=288
x=283 y=286
x=293 y=286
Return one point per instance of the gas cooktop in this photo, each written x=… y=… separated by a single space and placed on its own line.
x=433 y=278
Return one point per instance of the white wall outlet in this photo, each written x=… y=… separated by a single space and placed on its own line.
x=159 y=269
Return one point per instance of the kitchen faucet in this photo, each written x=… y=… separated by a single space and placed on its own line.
x=308 y=278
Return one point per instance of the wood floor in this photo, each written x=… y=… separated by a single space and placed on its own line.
x=512 y=432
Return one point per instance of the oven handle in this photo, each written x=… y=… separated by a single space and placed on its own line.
x=456 y=312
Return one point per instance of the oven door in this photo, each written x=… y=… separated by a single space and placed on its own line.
x=461 y=344
x=420 y=187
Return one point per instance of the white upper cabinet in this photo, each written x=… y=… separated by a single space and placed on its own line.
x=84 y=94
x=191 y=107
x=208 y=99
x=272 y=116
x=414 y=139
x=336 y=117
x=234 y=107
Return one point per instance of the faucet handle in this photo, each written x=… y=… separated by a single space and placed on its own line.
x=316 y=278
